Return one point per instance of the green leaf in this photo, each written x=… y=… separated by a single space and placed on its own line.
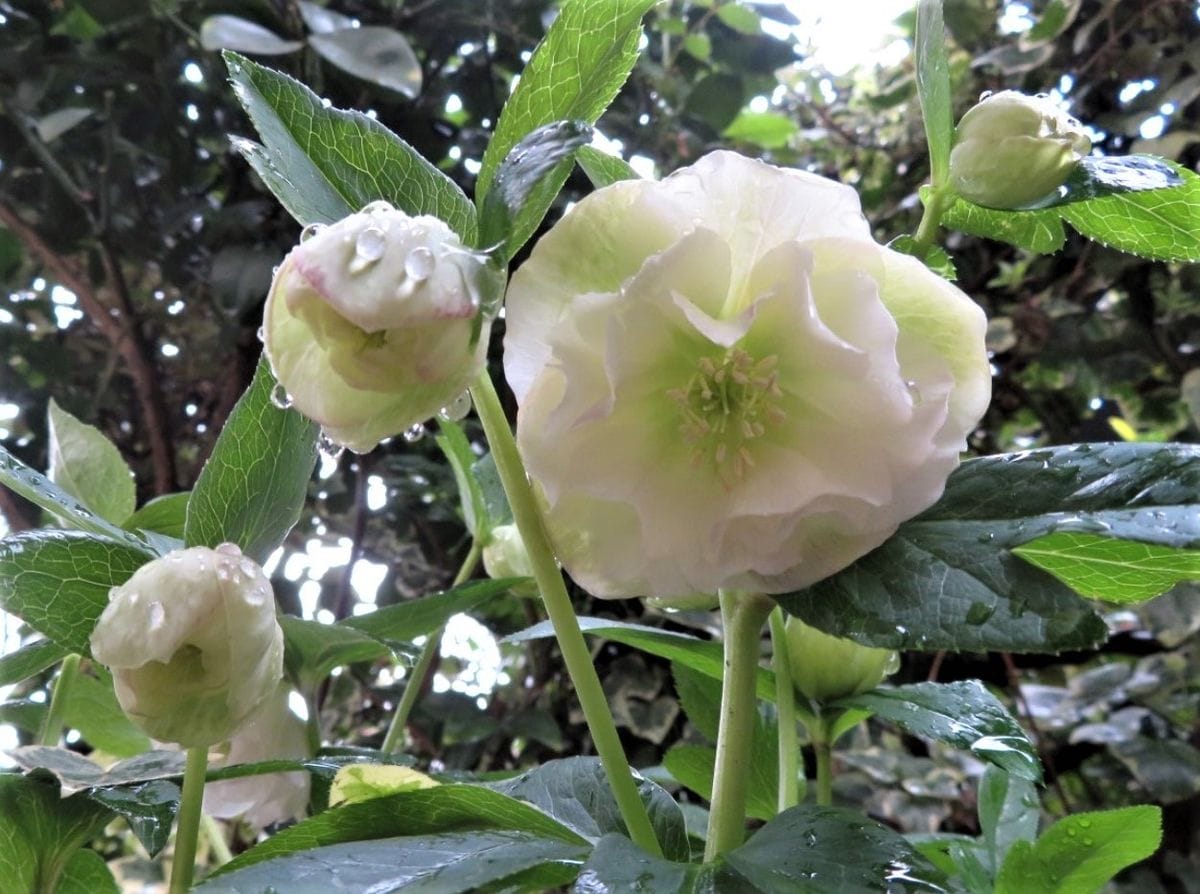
x=251 y=490
x=618 y=866
x=88 y=466
x=536 y=158
x=948 y=579
x=377 y=54
x=148 y=807
x=41 y=491
x=1082 y=852
x=575 y=791
x=427 y=811
x=700 y=655
x=1097 y=176
x=162 y=515
x=450 y=863
x=92 y=709
x=324 y=163
x=30 y=659
x=1037 y=231
x=57 y=582
x=487 y=476
x=313 y=649
x=87 y=872
x=574 y=73
x=933 y=87
x=824 y=849
x=739 y=18
x=963 y=715
x=1008 y=813
x=603 y=169
x=1113 y=570
x=768 y=130
x=698 y=45
x=35 y=851
x=936 y=258
x=76 y=773
x=457 y=450
x=407 y=620
x=1157 y=223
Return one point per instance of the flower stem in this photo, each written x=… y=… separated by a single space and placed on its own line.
x=742 y=615
x=52 y=726
x=940 y=198
x=528 y=516
x=412 y=689
x=216 y=840
x=785 y=700
x=184 y=863
x=823 y=749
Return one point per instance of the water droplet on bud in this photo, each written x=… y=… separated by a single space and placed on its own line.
x=414 y=433
x=914 y=391
x=420 y=263
x=311 y=230
x=985 y=94
x=330 y=448
x=370 y=243
x=158 y=616
x=280 y=398
x=261 y=334
x=457 y=409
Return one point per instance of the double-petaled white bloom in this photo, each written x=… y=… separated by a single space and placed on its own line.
x=724 y=381
x=193 y=644
x=376 y=322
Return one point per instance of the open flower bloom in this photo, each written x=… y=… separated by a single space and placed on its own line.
x=192 y=643
x=724 y=382
x=375 y=323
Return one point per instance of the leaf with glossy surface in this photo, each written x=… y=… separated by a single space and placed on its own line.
x=1102 y=175
x=604 y=169
x=76 y=773
x=963 y=715
x=450 y=863
x=405 y=621
x=1082 y=852
x=815 y=850
x=1121 y=571
x=322 y=20
x=948 y=579
x=149 y=808
x=225 y=32
x=376 y=54
x=57 y=582
x=617 y=865
x=575 y=791
x=1037 y=231
x=31 y=658
x=1008 y=813
x=325 y=163
x=933 y=86
x=251 y=490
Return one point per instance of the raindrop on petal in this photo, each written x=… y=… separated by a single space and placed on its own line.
x=370 y=244
x=311 y=230
x=414 y=433
x=457 y=409
x=280 y=398
x=420 y=263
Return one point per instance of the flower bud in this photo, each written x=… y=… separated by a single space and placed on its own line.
x=376 y=322
x=505 y=556
x=192 y=643
x=1012 y=150
x=827 y=667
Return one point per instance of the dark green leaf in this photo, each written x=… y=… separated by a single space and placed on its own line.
x=58 y=581
x=149 y=808
x=962 y=714
x=93 y=710
x=933 y=86
x=948 y=579
x=163 y=515
x=824 y=849
x=251 y=490
x=88 y=466
x=543 y=154
x=450 y=863
x=575 y=791
x=30 y=659
x=1008 y=813
x=313 y=649
x=603 y=169
x=1113 y=570
x=618 y=866
x=406 y=621
x=376 y=54
x=1082 y=852
x=1037 y=231
x=324 y=163
x=75 y=772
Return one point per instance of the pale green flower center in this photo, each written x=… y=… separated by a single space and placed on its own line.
x=729 y=402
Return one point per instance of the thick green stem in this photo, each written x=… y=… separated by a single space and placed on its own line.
x=785 y=700
x=743 y=616
x=528 y=516
x=184 y=863
x=412 y=689
x=823 y=749
x=939 y=200
x=52 y=726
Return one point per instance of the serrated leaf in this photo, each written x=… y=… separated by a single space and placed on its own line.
x=30 y=659
x=574 y=73
x=88 y=466
x=948 y=579
x=1037 y=231
x=1097 y=176
x=324 y=163
x=251 y=490
x=226 y=32
x=1157 y=223
x=380 y=55
x=963 y=715
x=1119 y=571
x=450 y=863
x=1008 y=813
x=1082 y=852
x=933 y=86
x=57 y=582
x=936 y=258
x=407 y=620
x=603 y=169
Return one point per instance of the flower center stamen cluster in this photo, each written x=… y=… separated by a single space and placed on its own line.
x=730 y=401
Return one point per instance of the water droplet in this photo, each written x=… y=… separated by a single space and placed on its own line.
x=1087 y=842
x=280 y=398
x=369 y=244
x=985 y=94
x=1072 y=832
x=1085 y=824
x=329 y=447
x=224 y=572
x=810 y=838
x=420 y=263
x=979 y=612
x=158 y=615
x=255 y=595
x=261 y=334
x=311 y=230
x=414 y=433
x=378 y=207
x=229 y=549
x=457 y=409
x=248 y=568
x=914 y=391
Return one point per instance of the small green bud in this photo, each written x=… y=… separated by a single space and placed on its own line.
x=827 y=667
x=1012 y=150
x=193 y=644
x=505 y=556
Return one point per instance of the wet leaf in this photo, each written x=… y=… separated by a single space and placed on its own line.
x=1113 y=570
x=225 y=32
x=380 y=55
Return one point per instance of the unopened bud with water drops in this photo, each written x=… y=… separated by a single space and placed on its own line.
x=378 y=322
x=193 y=644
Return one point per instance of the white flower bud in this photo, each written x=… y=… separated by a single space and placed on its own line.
x=827 y=667
x=1012 y=150
x=505 y=556
x=192 y=643
x=376 y=322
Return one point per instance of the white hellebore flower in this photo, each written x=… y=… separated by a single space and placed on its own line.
x=373 y=324
x=724 y=382
x=192 y=643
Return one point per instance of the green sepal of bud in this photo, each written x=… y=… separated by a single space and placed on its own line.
x=825 y=668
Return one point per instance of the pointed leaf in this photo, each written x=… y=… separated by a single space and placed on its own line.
x=1008 y=813
x=1120 y=571
x=407 y=620
x=376 y=54
x=30 y=659
x=225 y=32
